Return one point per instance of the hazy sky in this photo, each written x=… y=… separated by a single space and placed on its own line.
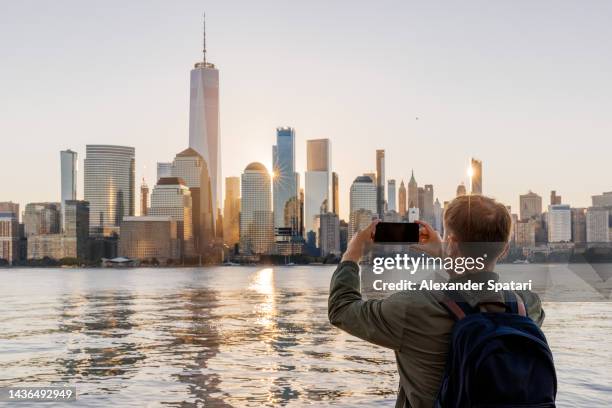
x=525 y=86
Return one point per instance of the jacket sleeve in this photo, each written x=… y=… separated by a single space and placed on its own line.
x=378 y=321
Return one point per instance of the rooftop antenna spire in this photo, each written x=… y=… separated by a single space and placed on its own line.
x=204 y=37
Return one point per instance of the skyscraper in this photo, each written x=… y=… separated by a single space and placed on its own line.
x=391 y=204
x=437 y=224
x=402 y=199
x=317 y=185
x=421 y=201
x=109 y=186
x=428 y=203
x=285 y=182
x=144 y=198
x=461 y=191
x=329 y=234
x=554 y=198
x=380 y=182
x=256 y=221
x=10 y=207
x=231 y=211
x=76 y=232
x=189 y=166
x=560 y=223
x=172 y=198
x=164 y=169
x=9 y=232
x=68 y=167
x=579 y=225
x=530 y=206
x=363 y=204
x=413 y=192
x=597 y=225
x=602 y=200
x=476 y=176
x=204 y=135
x=335 y=194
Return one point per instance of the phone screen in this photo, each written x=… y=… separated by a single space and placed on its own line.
x=391 y=232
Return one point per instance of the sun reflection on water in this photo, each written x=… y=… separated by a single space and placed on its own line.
x=263 y=283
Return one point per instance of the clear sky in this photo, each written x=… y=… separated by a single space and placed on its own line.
x=524 y=86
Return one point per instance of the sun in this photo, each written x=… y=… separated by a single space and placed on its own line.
x=470 y=171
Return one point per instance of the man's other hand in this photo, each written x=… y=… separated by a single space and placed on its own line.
x=354 y=250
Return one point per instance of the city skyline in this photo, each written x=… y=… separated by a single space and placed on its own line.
x=247 y=132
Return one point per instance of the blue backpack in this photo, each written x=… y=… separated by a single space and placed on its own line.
x=496 y=359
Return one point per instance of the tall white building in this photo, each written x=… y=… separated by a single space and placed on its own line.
x=597 y=225
x=391 y=201
x=204 y=135
x=317 y=181
x=363 y=203
x=109 y=186
x=68 y=164
x=172 y=198
x=256 y=222
x=559 y=223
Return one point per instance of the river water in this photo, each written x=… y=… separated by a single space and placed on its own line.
x=231 y=336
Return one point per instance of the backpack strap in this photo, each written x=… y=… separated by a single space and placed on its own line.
x=515 y=303
x=454 y=303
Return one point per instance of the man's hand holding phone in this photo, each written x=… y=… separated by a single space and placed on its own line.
x=430 y=241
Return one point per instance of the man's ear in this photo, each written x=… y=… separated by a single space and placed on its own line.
x=505 y=251
x=451 y=244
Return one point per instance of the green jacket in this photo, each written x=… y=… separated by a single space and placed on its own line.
x=412 y=323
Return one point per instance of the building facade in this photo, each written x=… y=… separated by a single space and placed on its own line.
x=329 y=233
x=190 y=166
x=172 y=198
x=413 y=192
x=256 y=220
x=149 y=238
x=335 y=194
x=164 y=169
x=559 y=223
x=530 y=206
x=68 y=175
x=579 y=225
x=461 y=191
x=317 y=181
x=597 y=225
x=109 y=187
x=402 y=199
x=144 y=198
x=380 y=182
x=363 y=203
x=204 y=130
x=231 y=211
x=476 y=176
x=391 y=197
x=285 y=182
x=42 y=218
x=9 y=235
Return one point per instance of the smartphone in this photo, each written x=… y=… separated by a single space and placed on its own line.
x=396 y=232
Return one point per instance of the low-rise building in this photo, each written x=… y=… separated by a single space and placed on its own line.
x=149 y=237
